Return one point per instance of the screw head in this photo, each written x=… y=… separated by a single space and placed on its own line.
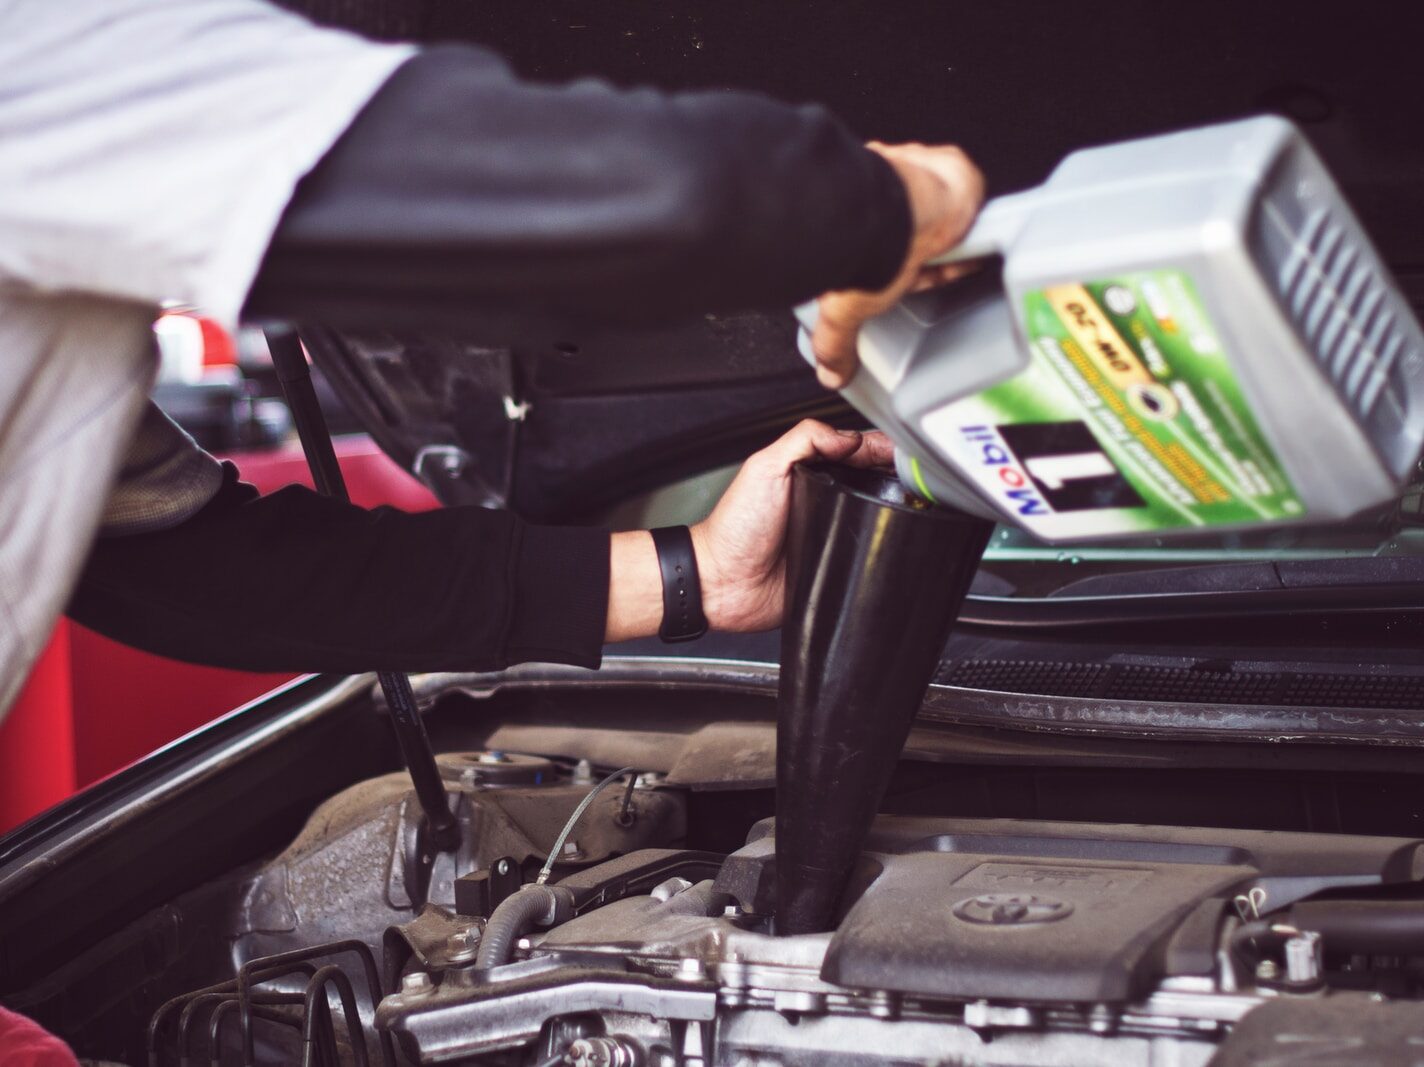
x=416 y=984
x=462 y=946
x=884 y=1004
x=586 y=1053
x=691 y=969
x=1267 y=971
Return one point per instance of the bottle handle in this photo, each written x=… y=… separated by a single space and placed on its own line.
x=996 y=227
x=999 y=222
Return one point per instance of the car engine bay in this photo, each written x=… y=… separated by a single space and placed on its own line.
x=1155 y=809
x=644 y=868
x=961 y=939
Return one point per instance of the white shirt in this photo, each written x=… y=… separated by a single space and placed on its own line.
x=147 y=151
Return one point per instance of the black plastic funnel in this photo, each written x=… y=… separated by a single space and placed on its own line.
x=875 y=578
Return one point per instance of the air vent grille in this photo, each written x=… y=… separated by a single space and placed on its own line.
x=1210 y=685
x=1359 y=333
x=1342 y=309
x=1019 y=676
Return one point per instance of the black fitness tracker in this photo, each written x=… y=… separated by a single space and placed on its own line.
x=682 y=588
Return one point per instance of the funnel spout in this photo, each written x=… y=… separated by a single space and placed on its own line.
x=875 y=578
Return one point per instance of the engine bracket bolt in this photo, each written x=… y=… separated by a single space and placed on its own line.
x=463 y=946
x=798 y=1002
x=602 y=1052
x=417 y=984
x=1102 y=1019
x=883 y=1005
x=691 y=969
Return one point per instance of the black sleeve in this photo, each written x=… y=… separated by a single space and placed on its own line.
x=295 y=581
x=461 y=191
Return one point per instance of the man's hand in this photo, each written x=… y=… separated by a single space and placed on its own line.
x=740 y=547
x=945 y=190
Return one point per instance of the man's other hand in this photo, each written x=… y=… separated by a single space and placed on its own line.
x=741 y=546
x=945 y=190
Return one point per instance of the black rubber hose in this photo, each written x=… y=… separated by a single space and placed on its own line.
x=1370 y=927
x=516 y=915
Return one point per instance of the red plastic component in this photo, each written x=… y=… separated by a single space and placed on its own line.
x=92 y=705
x=218 y=349
x=127 y=702
x=25 y=1044
x=37 y=739
x=372 y=477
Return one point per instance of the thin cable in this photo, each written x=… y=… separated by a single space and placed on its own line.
x=624 y=816
x=558 y=848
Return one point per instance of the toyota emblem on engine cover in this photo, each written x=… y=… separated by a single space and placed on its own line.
x=1012 y=909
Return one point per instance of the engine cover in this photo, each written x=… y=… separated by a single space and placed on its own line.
x=993 y=942
x=1057 y=912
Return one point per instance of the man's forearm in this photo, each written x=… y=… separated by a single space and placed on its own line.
x=635 y=589
x=299 y=582
x=296 y=581
x=462 y=192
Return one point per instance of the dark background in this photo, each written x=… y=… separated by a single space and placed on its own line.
x=1019 y=83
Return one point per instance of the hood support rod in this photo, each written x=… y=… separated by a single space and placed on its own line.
x=440 y=831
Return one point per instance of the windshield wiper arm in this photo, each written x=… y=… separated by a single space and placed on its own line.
x=1343 y=584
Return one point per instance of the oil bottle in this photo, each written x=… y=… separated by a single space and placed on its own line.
x=1189 y=332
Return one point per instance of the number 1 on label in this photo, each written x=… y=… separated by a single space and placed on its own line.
x=1056 y=471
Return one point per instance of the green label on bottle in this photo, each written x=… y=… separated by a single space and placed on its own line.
x=1128 y=418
